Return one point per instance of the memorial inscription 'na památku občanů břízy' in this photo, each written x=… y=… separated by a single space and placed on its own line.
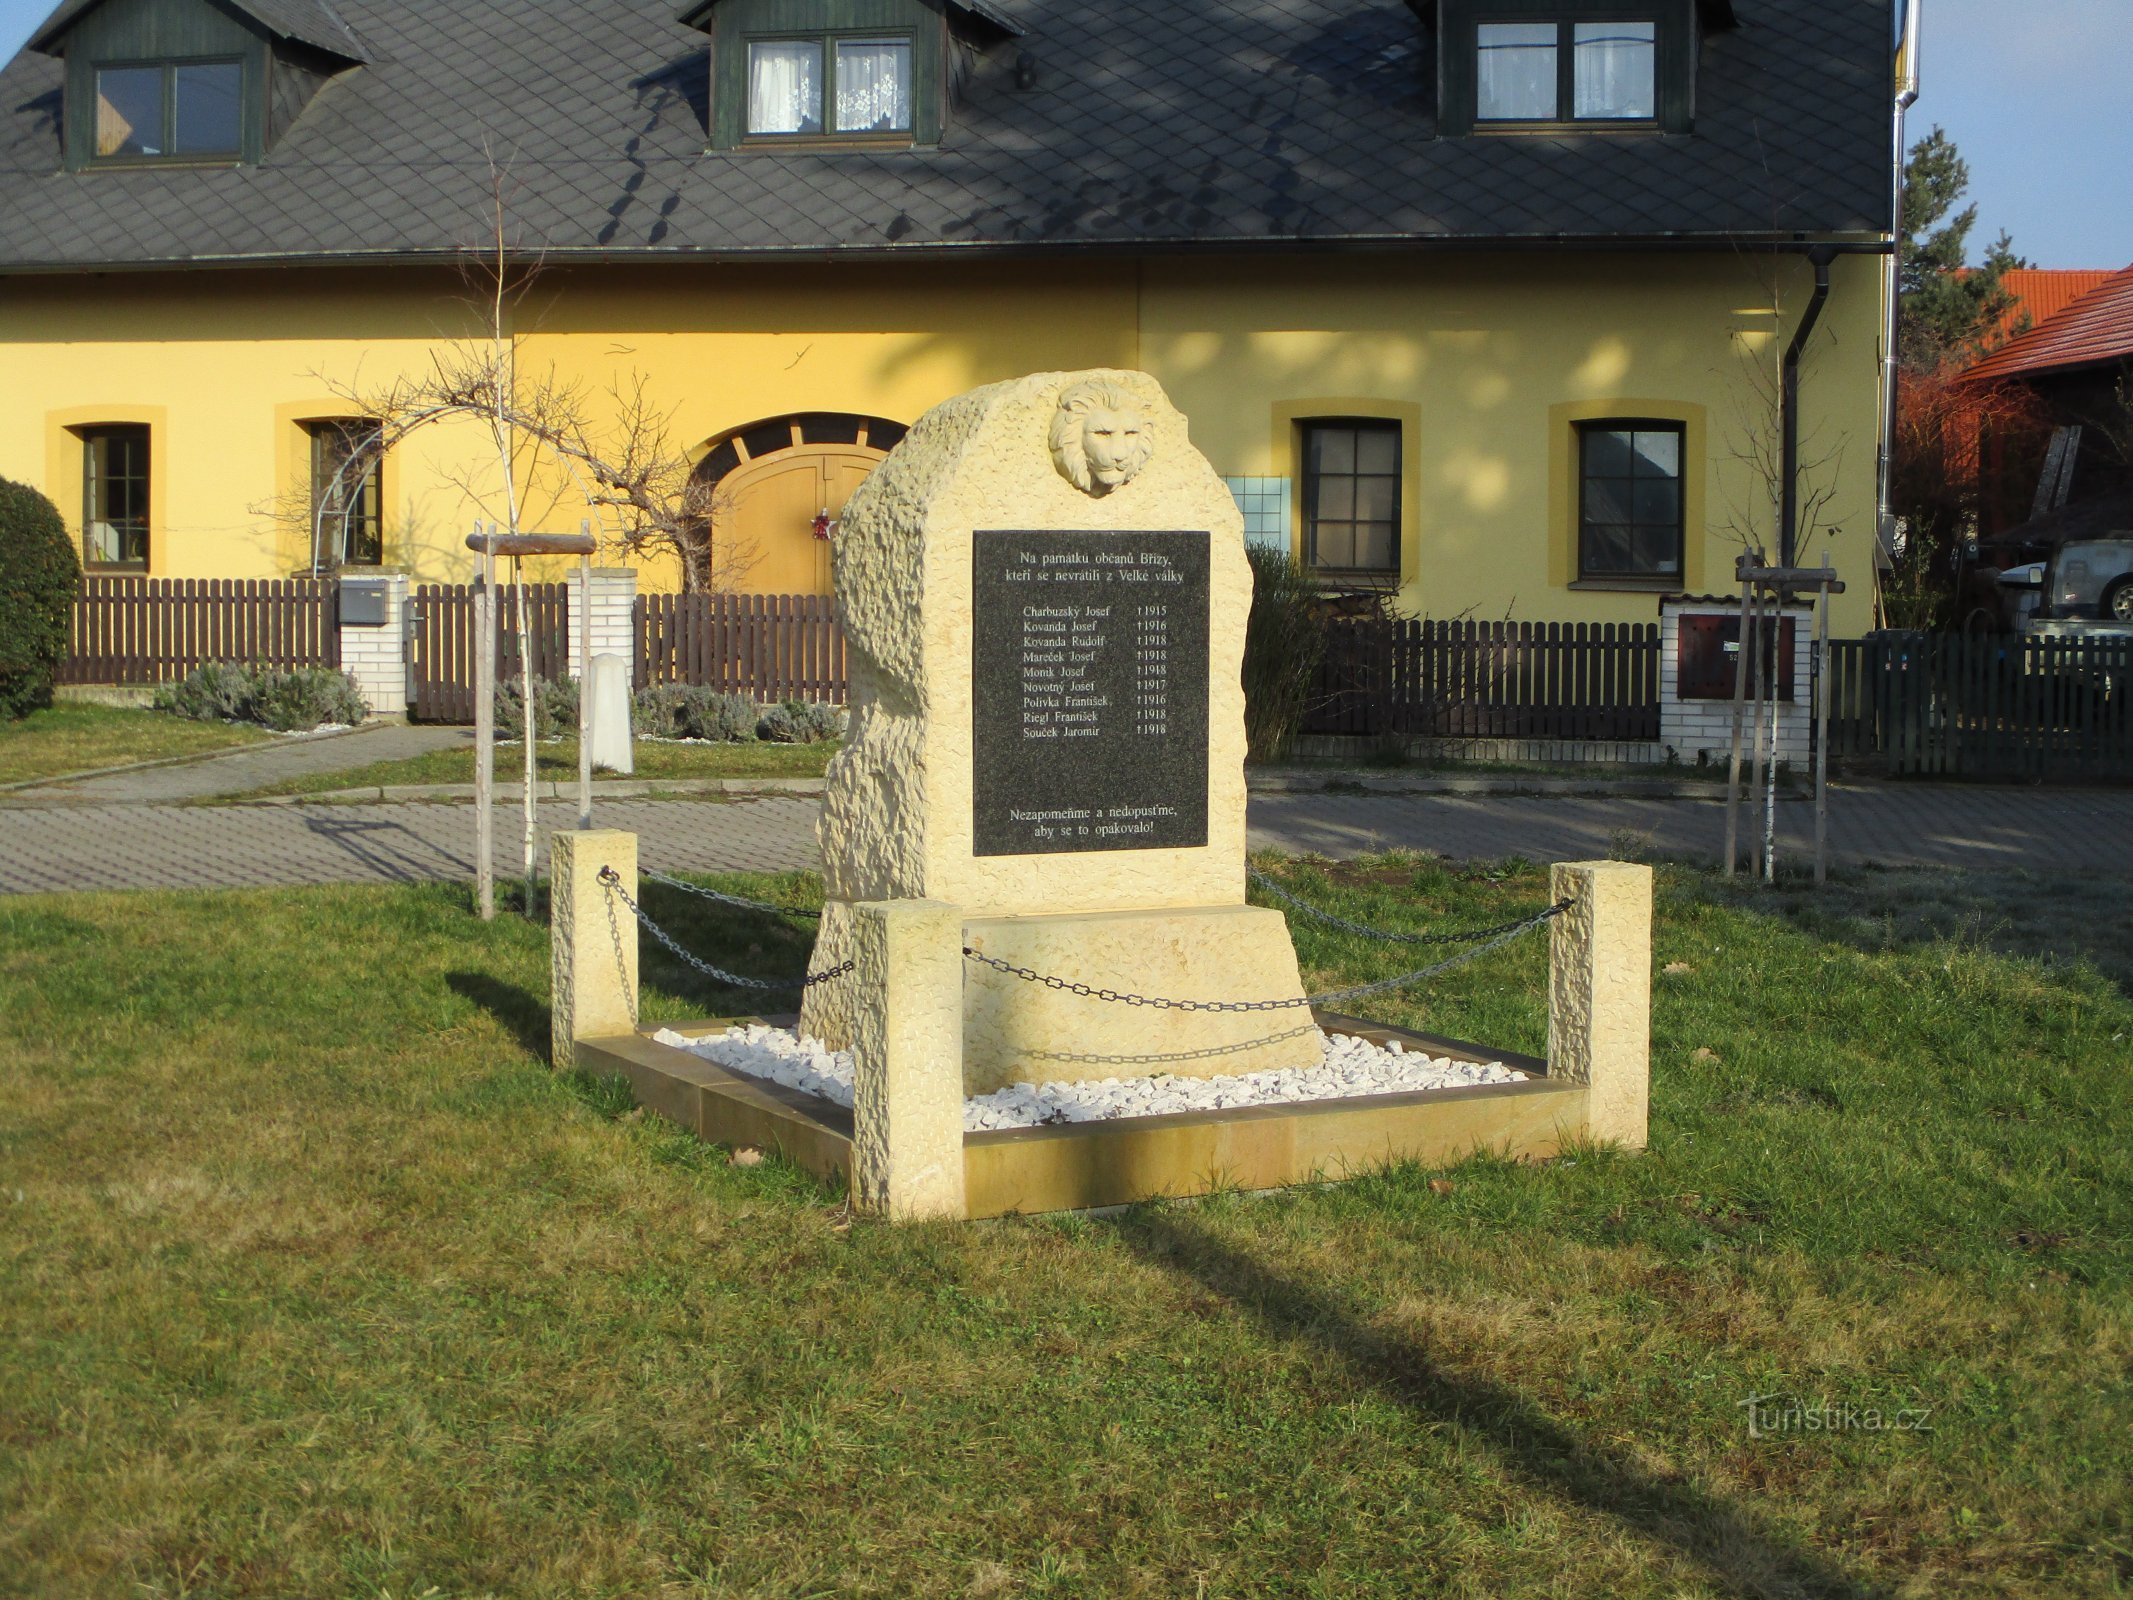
x=1089 y=691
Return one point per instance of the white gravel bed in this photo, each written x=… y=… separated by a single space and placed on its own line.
x=1348 y=1066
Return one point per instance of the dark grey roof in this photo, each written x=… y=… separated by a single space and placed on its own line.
x=311 y=22
x=1154 y=124
x=697 y=13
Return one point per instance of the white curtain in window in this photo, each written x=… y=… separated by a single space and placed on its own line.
x=873 y=85
x=1615 y=67
x=1514 y=71
x=785 y=87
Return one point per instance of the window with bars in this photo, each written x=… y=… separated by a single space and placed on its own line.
x=347 y=491
x=114 y=508
x=1630 y=500
x=1352 y=498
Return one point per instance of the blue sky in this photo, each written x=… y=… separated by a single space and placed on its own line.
x=2037 y=94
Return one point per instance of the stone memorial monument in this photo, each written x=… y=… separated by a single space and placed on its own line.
x=1045 y=590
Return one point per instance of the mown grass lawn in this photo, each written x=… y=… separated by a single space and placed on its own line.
x=315 y=1280
x=73 y=736
x=556 y=760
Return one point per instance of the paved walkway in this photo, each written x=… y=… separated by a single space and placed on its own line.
x=2075 y=830
x=164 y=846
x=198 y=847
x=240 y=771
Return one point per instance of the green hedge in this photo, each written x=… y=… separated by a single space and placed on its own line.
x=39 y=576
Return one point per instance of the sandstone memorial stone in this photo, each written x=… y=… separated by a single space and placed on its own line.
x=1038 y=984
x=1044 y=591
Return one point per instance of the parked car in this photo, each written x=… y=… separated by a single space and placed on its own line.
x=2090 y=578
x=2085 y=579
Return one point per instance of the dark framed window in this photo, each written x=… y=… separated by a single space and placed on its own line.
x=1352 y=497
x=347 y=491
x=169 y=110
x=830 y=85
x=1560 y=69
x=114 y=496
x=1629 y=499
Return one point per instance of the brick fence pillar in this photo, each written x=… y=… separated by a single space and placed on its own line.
x=1703 y=726
x=613 y=610
x=374 y=654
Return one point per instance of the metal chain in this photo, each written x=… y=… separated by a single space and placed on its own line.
x=1355 y=991
x=611 y=880
x=1163 y=1057
x=723 y=898
x=614 y=926
x=1368 y=932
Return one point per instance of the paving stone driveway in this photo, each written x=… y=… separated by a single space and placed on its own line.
x=162 y=846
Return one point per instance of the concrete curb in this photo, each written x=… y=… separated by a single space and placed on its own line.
x=563 y=789
x=1366 y=781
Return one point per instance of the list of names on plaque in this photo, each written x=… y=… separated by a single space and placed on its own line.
x=1089 y=691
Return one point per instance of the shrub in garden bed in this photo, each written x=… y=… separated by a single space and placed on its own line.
x=288 y=702
x=801 y=722
x=555 y=709
x=38 y=577
x=691 y=711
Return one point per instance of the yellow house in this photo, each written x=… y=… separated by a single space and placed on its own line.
x=1484 y=303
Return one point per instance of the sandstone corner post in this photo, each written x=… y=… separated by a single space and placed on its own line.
x=1600 y=993
x=907 y=1110
x=592 y=940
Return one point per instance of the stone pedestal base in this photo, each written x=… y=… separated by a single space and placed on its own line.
x=1016 y=1031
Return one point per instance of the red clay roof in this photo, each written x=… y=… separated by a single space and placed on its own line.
x=2096 y=327
x=2042 y=292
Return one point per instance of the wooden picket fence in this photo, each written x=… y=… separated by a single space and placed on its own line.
x=128 y=630
x=766 y=646
x=1983 y=705
x=441 y=669
x=1408 y=678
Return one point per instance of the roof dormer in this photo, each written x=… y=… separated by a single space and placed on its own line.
x=827 y=74
x=1571 y=66
x=189 y=82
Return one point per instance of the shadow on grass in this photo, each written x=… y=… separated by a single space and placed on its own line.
x=2053 y=917
x=753 y=944
x=1530 y=1444
x=523 y=1014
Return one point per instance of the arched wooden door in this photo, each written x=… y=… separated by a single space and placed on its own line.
x=776 y=485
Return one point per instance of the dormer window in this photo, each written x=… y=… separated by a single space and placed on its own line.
x=1565 y=71
x=189 y=81
x=805 y=74
x=1513 y=66
x=170 y=110
x=865 y=83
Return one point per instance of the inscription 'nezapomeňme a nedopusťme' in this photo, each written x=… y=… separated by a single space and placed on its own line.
x=1089 y=691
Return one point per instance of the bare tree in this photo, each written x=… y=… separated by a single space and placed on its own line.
x=555 y=444
x=1754 y=441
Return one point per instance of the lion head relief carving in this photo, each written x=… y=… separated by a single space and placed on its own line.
x=1102 y=435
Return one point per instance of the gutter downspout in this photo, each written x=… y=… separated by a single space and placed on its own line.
x=1906 y=97
x=1789 y=467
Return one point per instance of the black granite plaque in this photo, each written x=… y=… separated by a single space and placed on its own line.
x=1089 y=691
